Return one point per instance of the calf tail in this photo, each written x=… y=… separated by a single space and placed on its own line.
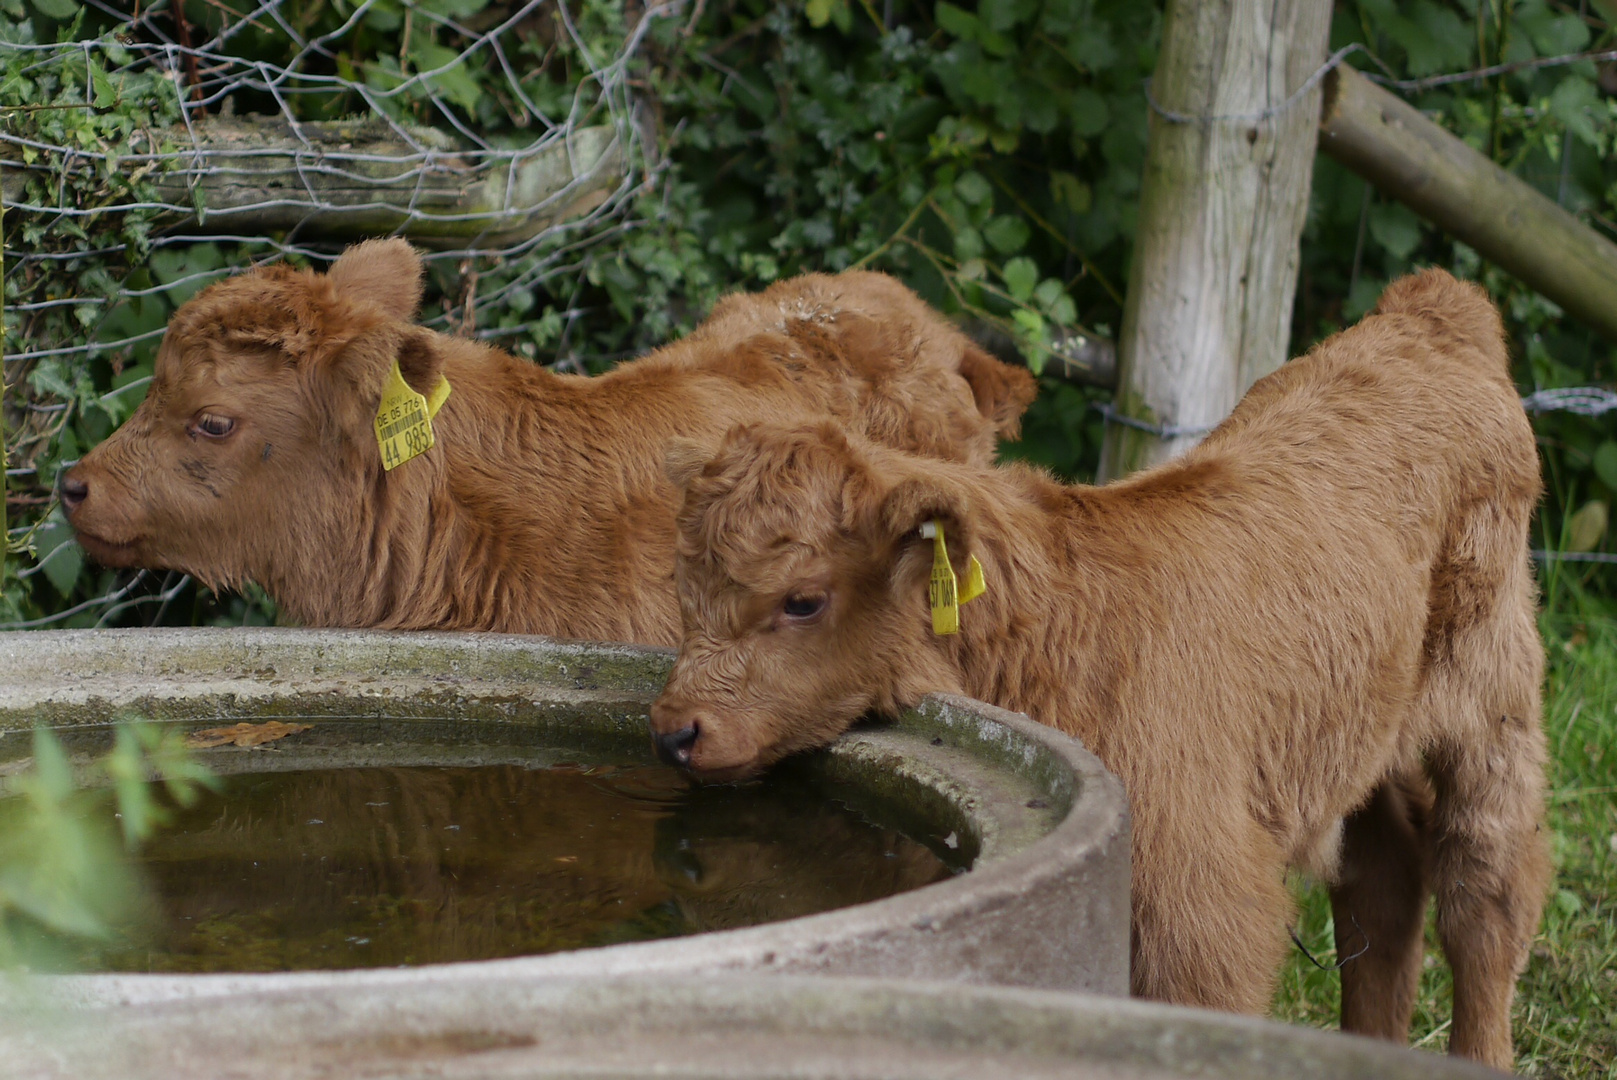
x=1456 y=309
x=1002 y=392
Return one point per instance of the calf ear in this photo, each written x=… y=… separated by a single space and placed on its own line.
x=1002 y=392
x=383 y=273
x=683 y=459
x=421 y=361
x=916 y=501
x=362 y=363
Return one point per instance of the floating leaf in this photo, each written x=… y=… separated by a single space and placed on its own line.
x=243 y=734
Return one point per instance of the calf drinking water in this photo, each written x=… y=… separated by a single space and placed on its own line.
x=1310 y=642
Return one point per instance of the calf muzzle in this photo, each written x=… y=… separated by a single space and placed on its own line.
x=72 y=491
x=674 y=747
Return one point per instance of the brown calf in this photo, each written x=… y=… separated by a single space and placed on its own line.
x=1325 y=608
x=542 y=506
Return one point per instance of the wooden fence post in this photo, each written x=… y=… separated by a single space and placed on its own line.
x=1227 y=174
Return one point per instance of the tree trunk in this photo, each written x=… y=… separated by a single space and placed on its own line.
x=1224 y=194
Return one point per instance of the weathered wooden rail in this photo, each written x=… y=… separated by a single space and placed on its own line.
x=353 y=178
x=1394 y=146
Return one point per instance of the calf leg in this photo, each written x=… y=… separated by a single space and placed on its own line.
x=1490 y=867
x=1490 y=872
x=1379 y=906
x=1210 y=911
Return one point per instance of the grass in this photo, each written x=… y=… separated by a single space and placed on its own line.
x=1566 y=1002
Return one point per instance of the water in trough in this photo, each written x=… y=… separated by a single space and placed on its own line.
x=388 y=866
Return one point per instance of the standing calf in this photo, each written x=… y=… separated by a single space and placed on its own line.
x=1324 y=614
x=542 y=506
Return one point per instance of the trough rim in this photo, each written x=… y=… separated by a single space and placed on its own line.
x=667 y=1026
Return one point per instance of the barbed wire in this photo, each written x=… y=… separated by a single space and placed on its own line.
x=1582 y=400
x=1386 y=78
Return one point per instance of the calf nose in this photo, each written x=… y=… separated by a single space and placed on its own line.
x=72 y=491
x=674 y=747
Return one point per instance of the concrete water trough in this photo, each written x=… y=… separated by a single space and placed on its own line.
x=1037 y=825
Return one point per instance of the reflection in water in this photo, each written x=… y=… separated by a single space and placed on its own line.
x=386 y=866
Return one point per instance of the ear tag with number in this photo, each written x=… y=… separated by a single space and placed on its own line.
x=404 y=419
x=943 y=590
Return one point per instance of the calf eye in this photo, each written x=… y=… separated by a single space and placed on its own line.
x=802 y=607
x=212 y=425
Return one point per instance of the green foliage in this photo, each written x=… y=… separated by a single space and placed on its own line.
x=63 y=876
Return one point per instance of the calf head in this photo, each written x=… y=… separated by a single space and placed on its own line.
x=802 y=578
x=254 y=442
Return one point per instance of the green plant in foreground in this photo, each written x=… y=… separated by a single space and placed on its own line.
x=63 y=872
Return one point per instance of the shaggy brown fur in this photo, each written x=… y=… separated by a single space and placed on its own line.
x=1325 y=611
x=543 y=507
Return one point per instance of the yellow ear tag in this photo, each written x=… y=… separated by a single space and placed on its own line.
x=943 y=591
x=404 y=419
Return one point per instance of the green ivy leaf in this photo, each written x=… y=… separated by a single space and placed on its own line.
x=61 y=556
x=1008 y=234
x=957 y=21
x=1552 y=34
x=1069 y=191
x=1001 y=16
x=973 y=188
x=1021 y=276
x=105 y=95
x=1605 y=462
x=1396 y=228
x=1063 y=312
x=57 y=9
x=1586 y=528
x=1088 y=113
x=1573 y=103
x=968 y=244
x=457 y=83
x=452 y=9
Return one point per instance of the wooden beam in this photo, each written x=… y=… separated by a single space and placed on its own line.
x=354 y=178
x=1394 y=146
